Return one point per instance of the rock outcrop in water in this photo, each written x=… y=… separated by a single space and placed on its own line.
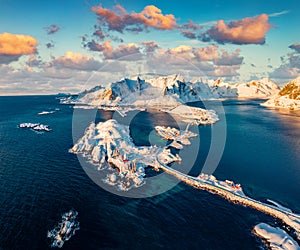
x=64 y=230
x=275 y=238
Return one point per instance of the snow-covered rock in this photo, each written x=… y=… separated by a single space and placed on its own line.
x=64 y=230
x=276 y=238
x=35 y=126
x=287 y=98
x=46 y=112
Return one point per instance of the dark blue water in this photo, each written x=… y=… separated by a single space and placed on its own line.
x=39 y=180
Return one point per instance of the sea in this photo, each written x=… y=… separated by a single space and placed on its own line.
x=40 y=180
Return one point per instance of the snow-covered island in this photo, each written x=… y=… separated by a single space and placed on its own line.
x=287 y=98
x=275 y=238
x=109 y=143
x=35 y=126
x=178 y=138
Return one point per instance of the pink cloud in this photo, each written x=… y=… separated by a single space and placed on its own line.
x=99 y=33
x=77 y=61
x=207 y=53
x=119 y=52
x=188 y=34
x=190 y=25
x=120 y=20
x=250 y=30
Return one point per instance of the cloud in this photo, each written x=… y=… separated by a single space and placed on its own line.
x=276 y=14
x=190 y=25
x=120 y=20
x=150 y=46
x=51 y=29
x=206 y=61
x=121 y=52
x=189 y=29
x=99 y=33
x=49 y=78
x=77 y=61
x=34 y=61
x=6 y=59
x=250 y=30
x=180 y=49
x=290 y=65
x=207 y=53
x=219 y=58
x=294 y=61
x=296 y=47
x=17 y=45
x=93 y=45
x=229 y=60
x=285 y=72
x=50 y=45
x=225 y=71
x=188 y=34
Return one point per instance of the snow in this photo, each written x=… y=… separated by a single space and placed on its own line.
x=109 y=143
x=194 y=115
x=226 y=185
x=282 y=102
x=276 y=238
x=255 y=89
x=287 y=98
x=64 y=230
x=46 y=112
x=169 y=94
x=259 y=89
x=35 y=126
x=178 y=137
x=279 y=206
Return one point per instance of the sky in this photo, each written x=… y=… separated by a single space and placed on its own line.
x=56 y=46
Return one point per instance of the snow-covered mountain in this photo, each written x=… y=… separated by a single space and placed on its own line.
x=288 y=97
x=259 y=88
x=167 y=90
x=171 y=90
x=168 y=94
x=263 y=88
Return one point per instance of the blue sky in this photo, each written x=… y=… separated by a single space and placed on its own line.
x=237 y=54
